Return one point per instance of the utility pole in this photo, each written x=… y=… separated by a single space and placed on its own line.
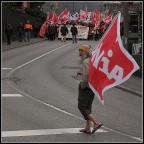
x=73 y=7
x=52 y=7
x=83 y=5
x=139 y=24
x=126 y=20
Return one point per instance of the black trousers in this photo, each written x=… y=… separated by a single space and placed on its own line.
x=20 y=37
x=96 y=36
x=85 y=99
x=51 y=37
x=8 y=39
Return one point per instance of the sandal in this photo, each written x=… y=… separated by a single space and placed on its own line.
x=96 y=128
x=85 y=131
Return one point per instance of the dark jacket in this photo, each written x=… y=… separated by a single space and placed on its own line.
x=20 y=29
x=74 y=30
x=9 y=30
x=51 y=29
x=64 y=30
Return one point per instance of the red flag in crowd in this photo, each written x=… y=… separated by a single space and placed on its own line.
x=83 y=15
x=78 y=15
x=97 y=24
x=110 y=64
x=42 y=31
x=63 y=17
x=86 y=11
x=49 y=16
x=95 y=16
x=54 y=18
x=108 y=19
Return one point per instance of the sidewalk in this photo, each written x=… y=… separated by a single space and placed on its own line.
x=132 y=85
x=15 y=44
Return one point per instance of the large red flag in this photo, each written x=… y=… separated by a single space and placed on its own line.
x=110 y=64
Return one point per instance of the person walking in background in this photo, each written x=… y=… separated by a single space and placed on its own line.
x=96 y=33
x=20 y=30
x=86 y=95
x=28 y=28
x=9 y=33
x=56 y=30
x=47 y=32
x=64 y=32
x=51 y=32
x=36 y=29
x=74 y=32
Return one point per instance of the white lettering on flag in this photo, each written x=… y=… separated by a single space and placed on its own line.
x=110 y=64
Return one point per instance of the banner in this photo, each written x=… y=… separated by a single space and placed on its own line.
x=82 y=32
x=110 y=64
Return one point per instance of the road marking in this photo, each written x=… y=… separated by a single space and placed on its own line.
x=12 y=95
x=44 y=132
x=6 y=68
x=37 y=58
x=127 y=135
x=8 y=75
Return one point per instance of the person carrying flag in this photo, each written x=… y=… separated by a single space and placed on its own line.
x=86 y=95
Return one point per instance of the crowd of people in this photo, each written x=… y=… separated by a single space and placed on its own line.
x=52 y=31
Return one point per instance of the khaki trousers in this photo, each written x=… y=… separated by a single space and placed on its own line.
x=63 y=38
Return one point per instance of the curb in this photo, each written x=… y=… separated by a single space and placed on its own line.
x=23 y=45
x=135 y=92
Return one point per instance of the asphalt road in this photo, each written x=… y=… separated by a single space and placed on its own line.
x=39 y=99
